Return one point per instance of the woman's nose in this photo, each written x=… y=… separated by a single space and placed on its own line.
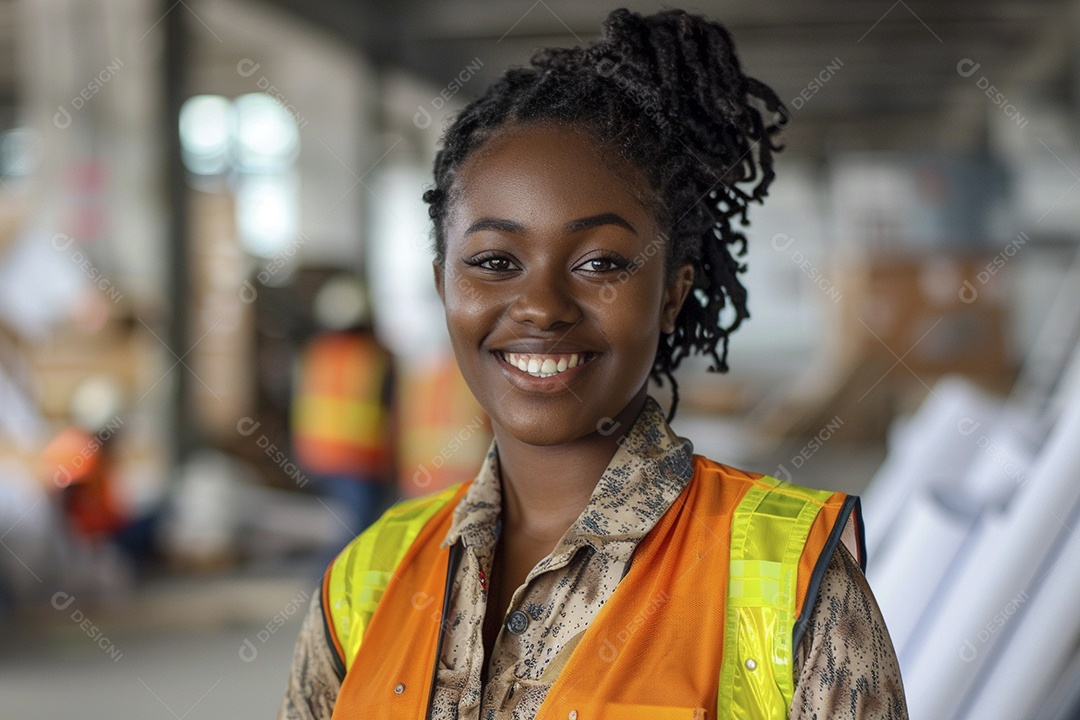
x=545 y=301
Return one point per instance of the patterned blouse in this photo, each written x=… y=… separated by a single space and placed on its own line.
x=844 y=666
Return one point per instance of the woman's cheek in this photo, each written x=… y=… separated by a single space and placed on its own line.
x=466 y=311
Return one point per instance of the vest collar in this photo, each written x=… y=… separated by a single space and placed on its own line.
x=646 y=474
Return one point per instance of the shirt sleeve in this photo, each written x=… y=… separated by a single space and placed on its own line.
x=845 y=665
x=313 y=682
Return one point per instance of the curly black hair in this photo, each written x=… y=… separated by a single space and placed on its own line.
x=667 y=92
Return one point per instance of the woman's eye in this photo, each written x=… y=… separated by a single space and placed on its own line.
x=494 y=263
x=602 y=265
x=497 y=263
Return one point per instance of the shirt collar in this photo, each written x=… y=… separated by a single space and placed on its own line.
x=648 y=471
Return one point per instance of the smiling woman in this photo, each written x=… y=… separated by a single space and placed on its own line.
x=541 y=226
x=585 y=212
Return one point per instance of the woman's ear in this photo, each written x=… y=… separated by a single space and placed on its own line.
x=438 y=269
x=674 y=297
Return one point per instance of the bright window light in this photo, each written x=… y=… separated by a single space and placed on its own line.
x=267 y=136
x=205 y=134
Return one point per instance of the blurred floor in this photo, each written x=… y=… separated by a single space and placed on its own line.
x=176 y=650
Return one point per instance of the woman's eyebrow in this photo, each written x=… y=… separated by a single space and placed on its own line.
x=595 y=220
x=496 y=224
x=585 y=223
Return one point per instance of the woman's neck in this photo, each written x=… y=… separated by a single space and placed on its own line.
x=545 y=489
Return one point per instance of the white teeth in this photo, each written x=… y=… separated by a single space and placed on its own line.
x=541 y=365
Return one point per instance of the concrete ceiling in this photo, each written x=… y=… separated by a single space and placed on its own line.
x=897 y=85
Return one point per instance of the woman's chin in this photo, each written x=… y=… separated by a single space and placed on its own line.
x=541 y=432
x=541 y=436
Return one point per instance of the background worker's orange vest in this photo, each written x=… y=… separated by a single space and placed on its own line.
x=76 y=464
x=445 y=434
x=665 y=666
x=340 y=421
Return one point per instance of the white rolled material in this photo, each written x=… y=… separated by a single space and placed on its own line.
x=909 y=572
x=1002 y=461
x=1034 y=651
x=1000 y=568
x=930 y=447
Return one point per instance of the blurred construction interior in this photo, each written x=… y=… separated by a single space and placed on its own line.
x=179 y=178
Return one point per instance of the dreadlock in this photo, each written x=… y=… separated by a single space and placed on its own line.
x=667 y=92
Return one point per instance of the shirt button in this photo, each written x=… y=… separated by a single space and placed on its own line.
x=517 y=622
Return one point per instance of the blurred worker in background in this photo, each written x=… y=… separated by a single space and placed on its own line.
x=341 y=412
x=78 y=464
x=104 y=542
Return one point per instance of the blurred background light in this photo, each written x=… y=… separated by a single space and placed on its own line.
x=206 y=134
x=267 y=139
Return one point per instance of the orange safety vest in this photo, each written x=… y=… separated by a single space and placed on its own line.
x=340 y=422
x=669 y=643
x=445 y=434
x=77 y=463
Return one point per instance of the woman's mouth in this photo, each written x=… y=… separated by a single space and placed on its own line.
x=545 y=365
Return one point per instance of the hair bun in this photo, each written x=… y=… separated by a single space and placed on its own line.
x=687 y=65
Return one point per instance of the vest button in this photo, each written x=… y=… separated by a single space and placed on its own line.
x=751 y=663
x=572 y=715
x=399 y=688
x=517 y=622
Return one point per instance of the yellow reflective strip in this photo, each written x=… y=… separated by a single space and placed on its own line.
x=755 y=569
x=756 y=593
x=754 y=583
x=337 y=590
x=361 y=573
x=755 y=689
x=768 y=534
x=370 y=591
x=782 y=649
x=802 y=494
x=740 y=524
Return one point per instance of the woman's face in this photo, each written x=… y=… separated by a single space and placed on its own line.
x=554 y=283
